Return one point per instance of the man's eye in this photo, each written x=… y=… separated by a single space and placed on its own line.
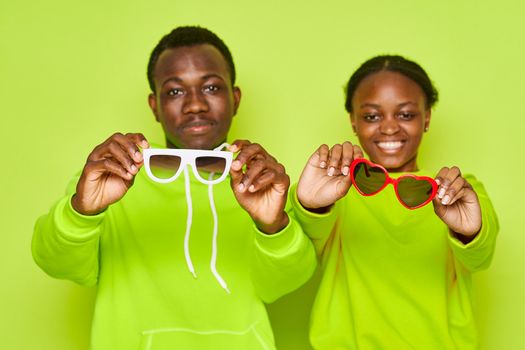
x=371 y=117
x=211 y=88
x=174 y=92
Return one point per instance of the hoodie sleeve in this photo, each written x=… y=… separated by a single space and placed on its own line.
x=316 y=226
x=477 y=254
x=283 y=261
x=65 y=243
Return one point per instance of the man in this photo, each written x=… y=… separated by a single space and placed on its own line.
x=159 y=288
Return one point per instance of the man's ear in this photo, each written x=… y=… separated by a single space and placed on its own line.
x=236 y=99
x=152 y=101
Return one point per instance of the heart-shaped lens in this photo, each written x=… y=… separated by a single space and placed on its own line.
x=415 y=191
x=368 y=179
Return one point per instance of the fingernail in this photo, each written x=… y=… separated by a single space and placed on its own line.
x=251 y=188
x=438 y=182
x=345 y=170
x=236 y=165
x=441 y=193
x=323 y=165
x=145 y=144
x=240 y=187
x=133 y=168
x=331 y=171
x=446 y=199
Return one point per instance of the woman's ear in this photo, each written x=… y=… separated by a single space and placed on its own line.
x=428 y=114
x=352 y=122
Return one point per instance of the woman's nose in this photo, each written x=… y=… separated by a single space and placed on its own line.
x=389 y=126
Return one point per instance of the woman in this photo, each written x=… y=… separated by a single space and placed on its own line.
x=393 y=278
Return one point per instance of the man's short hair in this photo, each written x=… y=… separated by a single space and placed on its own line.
x=189 y=36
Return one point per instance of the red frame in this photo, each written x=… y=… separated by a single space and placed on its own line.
x=394 y=182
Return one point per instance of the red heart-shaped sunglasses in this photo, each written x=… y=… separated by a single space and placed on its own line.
x=411 y=190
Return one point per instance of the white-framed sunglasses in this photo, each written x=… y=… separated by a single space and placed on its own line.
x=171 y=163
x=174 y=161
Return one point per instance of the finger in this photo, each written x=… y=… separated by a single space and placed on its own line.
x=237 y=145
x=322 y=153
x=358 y=152
x=348 y=157
x=107 y=166
x=444 y=178
x=235 y=178
x=255 y=169
x=263 y=180
x=248 y=153
x=453 y=189
x=116 y=151
x=334 y=159
x=128 y=142
x=139 y=139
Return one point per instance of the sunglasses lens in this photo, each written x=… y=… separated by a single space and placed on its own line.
x=368 y=179
x=414 y=192
x=164 y=166
x=217 y=165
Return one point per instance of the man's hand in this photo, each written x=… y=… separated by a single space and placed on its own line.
x=109 y=173
x=326 y=178
x=457 y=204
x=260 y=185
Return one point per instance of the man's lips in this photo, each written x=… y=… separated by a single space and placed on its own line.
x=196 y=127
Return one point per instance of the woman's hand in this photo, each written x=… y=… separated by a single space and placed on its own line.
x=457 y=204
x=326 y=176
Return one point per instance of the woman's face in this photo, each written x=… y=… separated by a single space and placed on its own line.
x=389 y=117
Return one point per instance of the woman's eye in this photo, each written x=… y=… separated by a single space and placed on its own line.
x=371 y=117
x=175 y=92
x=406 y=116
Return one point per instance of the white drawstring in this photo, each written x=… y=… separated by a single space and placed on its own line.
x=213 y=261
x=187 y=255
x=188 y=223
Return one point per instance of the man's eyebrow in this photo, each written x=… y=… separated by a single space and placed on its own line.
x=204 y=77
x=175 y=79
x=368 y=104
x=212 y=75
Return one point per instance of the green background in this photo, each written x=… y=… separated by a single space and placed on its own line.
x=73 y=72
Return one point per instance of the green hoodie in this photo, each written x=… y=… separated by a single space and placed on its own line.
x=146 y=297
x=394 y=278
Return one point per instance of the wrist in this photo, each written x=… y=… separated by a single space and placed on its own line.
x=76 y=204
x=277 y=225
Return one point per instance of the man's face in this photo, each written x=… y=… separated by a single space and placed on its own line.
x=194 y=100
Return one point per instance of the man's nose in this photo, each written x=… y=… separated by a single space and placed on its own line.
x=195 y=102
